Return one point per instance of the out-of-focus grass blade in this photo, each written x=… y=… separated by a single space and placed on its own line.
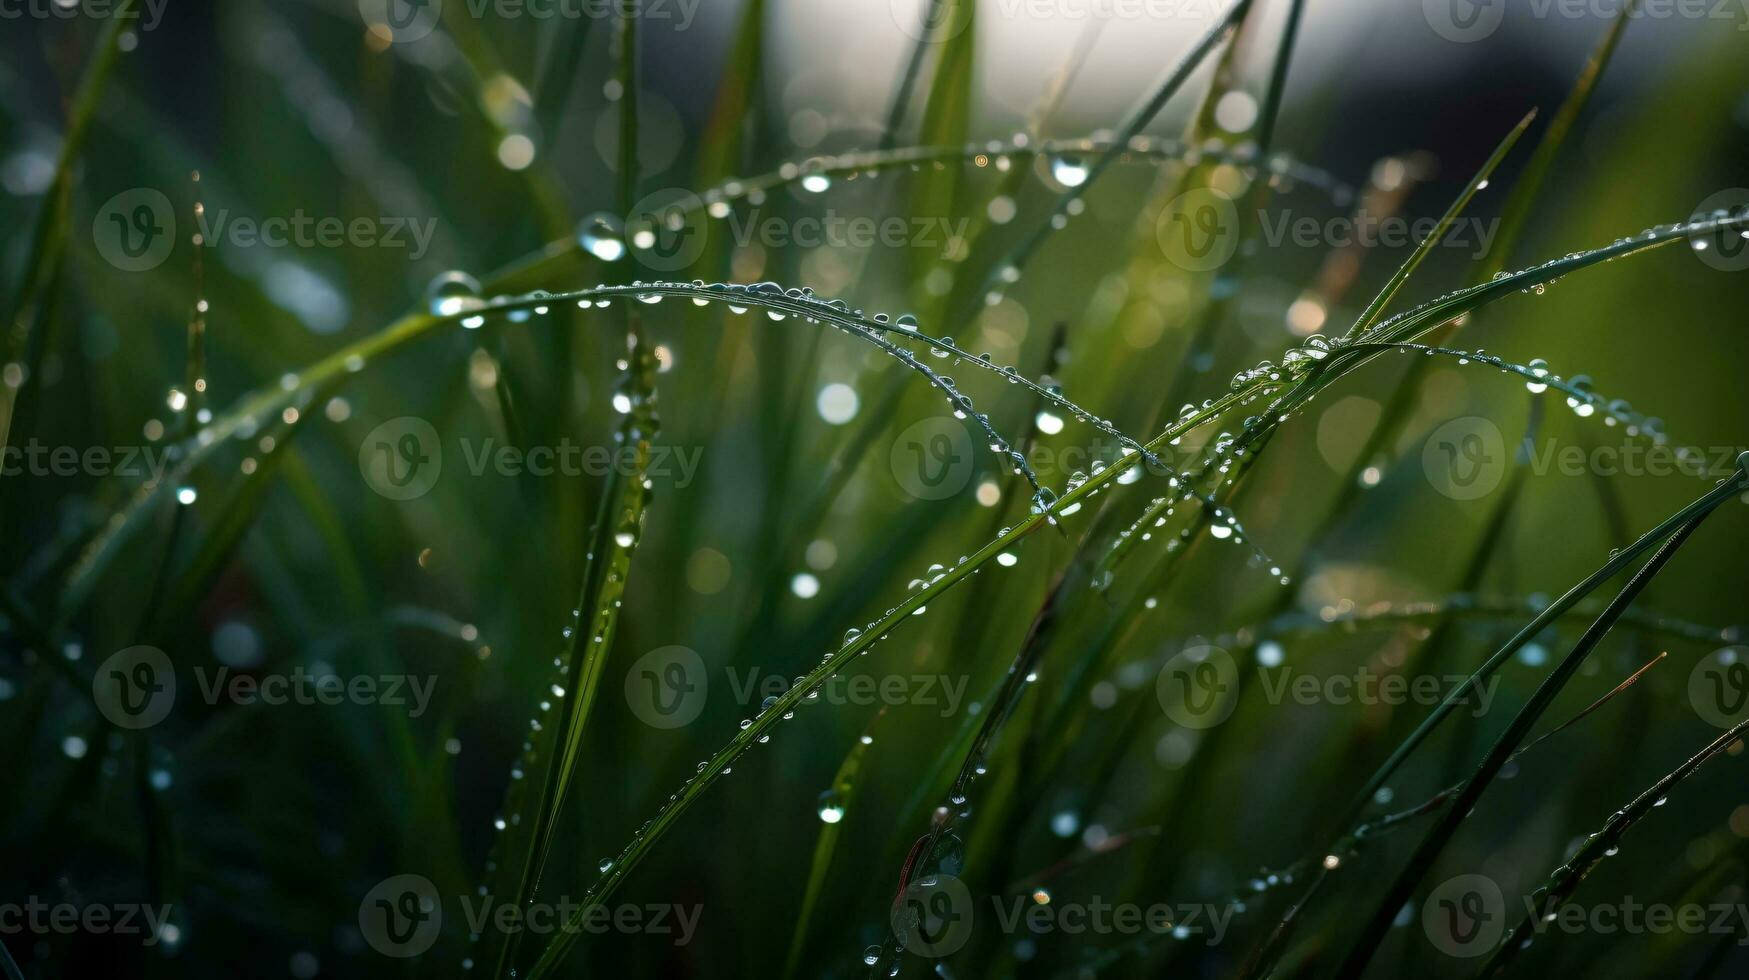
x=1169 y=86
x=8 y=965
x=234 y=518
x=503 y=107
x=934 y=23
x=844 y=791
x=721 y=145
x=947 y=110
x=45 y=241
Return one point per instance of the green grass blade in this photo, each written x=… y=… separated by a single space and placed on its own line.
x=1377 y=307
x=234 y=518
x=933 y=23
x=844 y=785
x=1366 y=944
x=721 y=147
x=1565 y=881
x=1180 y=73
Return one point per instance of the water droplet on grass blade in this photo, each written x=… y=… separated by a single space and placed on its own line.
x=453 y=292
x=1069 y=171
x=831 y=806
x=599 y=234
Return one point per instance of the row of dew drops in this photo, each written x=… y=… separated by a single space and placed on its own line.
x=456 y=293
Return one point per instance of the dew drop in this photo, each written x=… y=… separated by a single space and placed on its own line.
x=453 y=292
x=1069 y=171
x=599 y=234
x=831 y=806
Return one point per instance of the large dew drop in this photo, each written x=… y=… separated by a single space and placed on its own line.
x=1069 y=171
x=831 y=806
x=453 y=292
x=599 y=234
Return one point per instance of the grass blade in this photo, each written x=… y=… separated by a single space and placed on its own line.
x=1377 y=307
x=1366 y=944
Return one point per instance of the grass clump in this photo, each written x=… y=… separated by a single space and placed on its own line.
x=795 y=709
